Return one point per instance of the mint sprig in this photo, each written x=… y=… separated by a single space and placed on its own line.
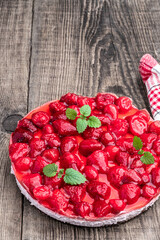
x=94 y=122
x=71 y=176
x=85 y=110
x=50 y=170
x=81 y=125
x=147 y=157
x=60 y=174
x=71 y=113
x=84 y=119
x=141 y=152
x=137 y=143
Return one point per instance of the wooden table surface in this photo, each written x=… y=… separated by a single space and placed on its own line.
x=49 y=48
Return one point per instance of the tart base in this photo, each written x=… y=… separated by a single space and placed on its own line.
x=78 y=221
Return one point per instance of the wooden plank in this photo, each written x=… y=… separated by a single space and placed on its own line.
x=15 y=23
x=135 y=32
x=62 y=61
x=62 y=57
x=86 y=47
x=134 y=35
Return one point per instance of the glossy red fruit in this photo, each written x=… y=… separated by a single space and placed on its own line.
x=111 y=152
x=37 y=147
x=96 y=112
x=154 y=127
x=122 y=158
x=27 y=124
x=101 y=208
x=156 y=177
x=51 y=139
x=68 y=144
x=119 y=127
x=40 y=119
x=91 y=172
x=149 y=191
x=76 y=108
x=32 y=180
x=156 y=146
x=137 y=163
x=51 y=155
x=105 y=120
x=133 y=157
x=86 y=101
x=22 y=135
x=42 y=192
x=98 y=159
x=58 y=201
x=82 y=209
x=74 y=122
x=99 y=189
x=103 y=99
x=132 y=176
x=111 y=111
x=70 y=160
x=145 y=178
x=88 y=146
x=57 y=107
x=48 y=128
x=107 y=139
x=58 y=115
x=137 y=125
x=64 y=128
x=150 y=167
x=148 y=139
x=130 y=192
x=76 y=193
x=23 y=163
x=94 y=133
x=53 y=182
x=124 y=104
x=117 y=205
x=115 y=175
x=140 y=170
x=70 y=99
x=17 y=150
x=126 y=145
x=143 y=114
x=38 y=165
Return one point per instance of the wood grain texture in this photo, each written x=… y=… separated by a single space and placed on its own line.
x=14 y=61
x=51 y=47
x=85 y=48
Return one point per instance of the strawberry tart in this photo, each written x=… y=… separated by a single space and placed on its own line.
x=88 y=161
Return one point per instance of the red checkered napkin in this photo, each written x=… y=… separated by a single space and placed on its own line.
x=150 y=72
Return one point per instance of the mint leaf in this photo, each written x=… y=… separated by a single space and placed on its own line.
x=147 y=158
x=141 y=152
x=50 y=170
x=71 y=113
x=61 y=171
x=81 y=125
x=137 y=143
x=94 y=122
x=60 y=174
x=85 y=110
x=73 y=177
x=83 y=117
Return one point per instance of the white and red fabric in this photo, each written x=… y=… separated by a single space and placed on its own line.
x=150 y=73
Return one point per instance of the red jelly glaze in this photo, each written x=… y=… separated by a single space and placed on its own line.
x=117 y=181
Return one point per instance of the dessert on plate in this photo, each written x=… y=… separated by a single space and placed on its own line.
x=88 y=161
